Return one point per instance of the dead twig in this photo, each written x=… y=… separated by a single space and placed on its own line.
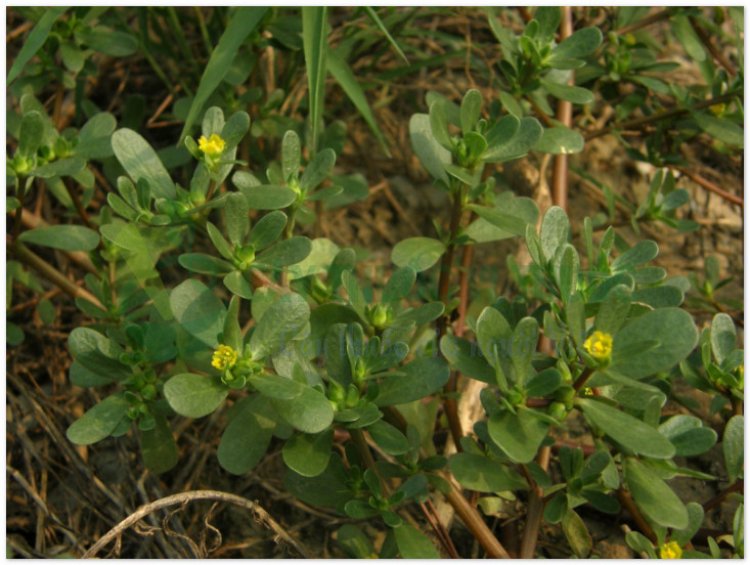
x=191 y=496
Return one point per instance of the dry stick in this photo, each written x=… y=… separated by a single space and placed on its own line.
x=711 y=187
x=474 y=522
x=666 y=114
x=737 y=486
x=26 y=256
x=648 y=20
x=627 y=502
x=191 y=496
x=715 y=53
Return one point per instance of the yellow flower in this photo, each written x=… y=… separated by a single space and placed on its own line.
x=224 y=357
x=718 y=109
x=599 y=345
x=213 y=146
x=671 y=550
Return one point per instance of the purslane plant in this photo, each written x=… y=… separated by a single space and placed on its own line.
x=326 y=356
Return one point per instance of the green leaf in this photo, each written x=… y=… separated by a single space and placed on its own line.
x=95 y=137
x=574 y=94
x=267 y=230
x=100 y=421
x=97 y=353
x=194 y=396
x=291 y=153
x=31 y=134
x=204 y=264
x=352 y=539
x=318 y=169
x=286 y=252
x=482 y=474
x=399 y=285
x=653 y=496
x=419 y=253
x=282 y=322
x=158 y=447
x=108 y=41
x=236 y=220
x=654 y=342
x=627 y=430
x=63 y=168
x=322 y=255
x=415 y=380
x=314 y=42
x=504 y=220
x=35 y=40
x=242 y=22
x=510 y=221
x=221 y=244
x=560 y=141
x=310 y=412
x=140 y=161
x=613 y=311
x=67 y=238
x=247 y=437
x=265 y=197
x=686 y=35
x=567 y=273
x=577 y=534
x=198 y=310
x=329 y=489
x=432 y=155
x=723 y=336
x=733 y=446
x=688 y=435
x=642 y=252
x=518 y=435
x=582 y=43
x=503 y=148
x=493 y=336
x=343 y=74
x=389 y=438
x=721 y=129
x=308 y=455
x=465 y=357
x=471 y=110
x=413 y=544
x=238 y=285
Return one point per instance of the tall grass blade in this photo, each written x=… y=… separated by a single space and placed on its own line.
x=314 y=43
x=243 y=22
x=36 y=39
x=343 y=74
x=378 y=22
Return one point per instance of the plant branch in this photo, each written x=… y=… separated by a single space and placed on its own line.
x=28 y=257
x=658 y=116
x=474 y=522
x=647 y=21
x=627 y=502
x=711 y=187
x=191 y=496
x=535 y=510
x=736 y=486
x=564 y=116
x=446 y=267
x=715 y=53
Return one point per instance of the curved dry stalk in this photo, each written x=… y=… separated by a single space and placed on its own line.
x=190 y=496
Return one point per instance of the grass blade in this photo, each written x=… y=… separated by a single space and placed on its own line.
x=36 y=39
x=243 y=22
x=314 y=42
x=343 y=74
x=378 y=22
